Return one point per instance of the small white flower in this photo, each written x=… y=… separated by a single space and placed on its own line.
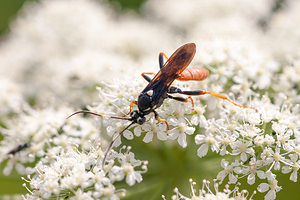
x=253 y=170
x=180 y=131
x=243 y=148
x=206 y=141
x=259 y=140
x=294 y=167
x=207 y=193
x=272 y=187
x=228 y=170
x=199 y=118
x=152 y=128
x=131 y=175
x=269 y=140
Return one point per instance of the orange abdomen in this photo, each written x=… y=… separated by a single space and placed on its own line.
x=193 y=74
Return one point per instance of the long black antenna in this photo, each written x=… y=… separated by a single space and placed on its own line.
x=112 y=142
x=99 y=115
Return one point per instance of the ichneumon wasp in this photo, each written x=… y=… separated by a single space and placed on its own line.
x=159 y=88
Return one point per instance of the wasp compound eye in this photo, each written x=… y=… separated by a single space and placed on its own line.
x=141 y=120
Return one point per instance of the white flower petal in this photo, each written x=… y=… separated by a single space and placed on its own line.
x=271 y=195
x=162 y=135
x=199 y=139
x=173 y=121
x=232 y=179
x=173 y=134
x=224 y=163
x=263 y=187
x=223 y=150
x=117 y=142
x=182 y=140
x=202 y=151
x=148 y=137
x=261 y=174
x=243 y=156
x=277 y=165
x=286 y=169
x=128 y=135
x=137 y=131
x=190 y=130
x=293 y=176
x=130 y=180
x=195 y=120
x=147 y=127
x=138 y=177
x=203 y=121
x=237 y=170
x=251 y=179
x=221 y=175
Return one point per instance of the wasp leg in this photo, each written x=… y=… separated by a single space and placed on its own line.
x=161 y=59
x=200 y=92
x=183 y=99
x=131 y=104
x=147 y=78
x=173 y=89
x=161 y=120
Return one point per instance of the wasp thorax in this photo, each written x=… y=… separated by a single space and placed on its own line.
x=144 y=102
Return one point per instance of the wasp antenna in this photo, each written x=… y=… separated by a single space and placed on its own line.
x=112 y=142
x=99 y=115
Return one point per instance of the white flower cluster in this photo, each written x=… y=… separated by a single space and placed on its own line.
x=68 y=157
x=263 y=147
x=115 y=100
x=11 y=99
x=67 y=50
x=205 y=193
x=77 y=174
x=261 y=141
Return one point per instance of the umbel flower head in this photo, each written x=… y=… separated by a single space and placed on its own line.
x=67 y=157
x=260 y=141
x=206 y=193
x=80 y=175
x=58 y=53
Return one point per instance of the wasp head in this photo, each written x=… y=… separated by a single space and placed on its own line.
x=137 y=117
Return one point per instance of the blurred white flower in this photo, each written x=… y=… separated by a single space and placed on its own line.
x=82 y=175
x=206 y=193
x=11 y=99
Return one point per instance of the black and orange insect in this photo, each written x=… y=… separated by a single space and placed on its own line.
x=159 y=88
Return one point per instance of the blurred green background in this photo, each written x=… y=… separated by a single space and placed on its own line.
x=8 y=10
x=175 y=173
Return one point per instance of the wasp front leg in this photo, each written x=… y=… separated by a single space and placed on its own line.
x=161 y=120
x=131 y=105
